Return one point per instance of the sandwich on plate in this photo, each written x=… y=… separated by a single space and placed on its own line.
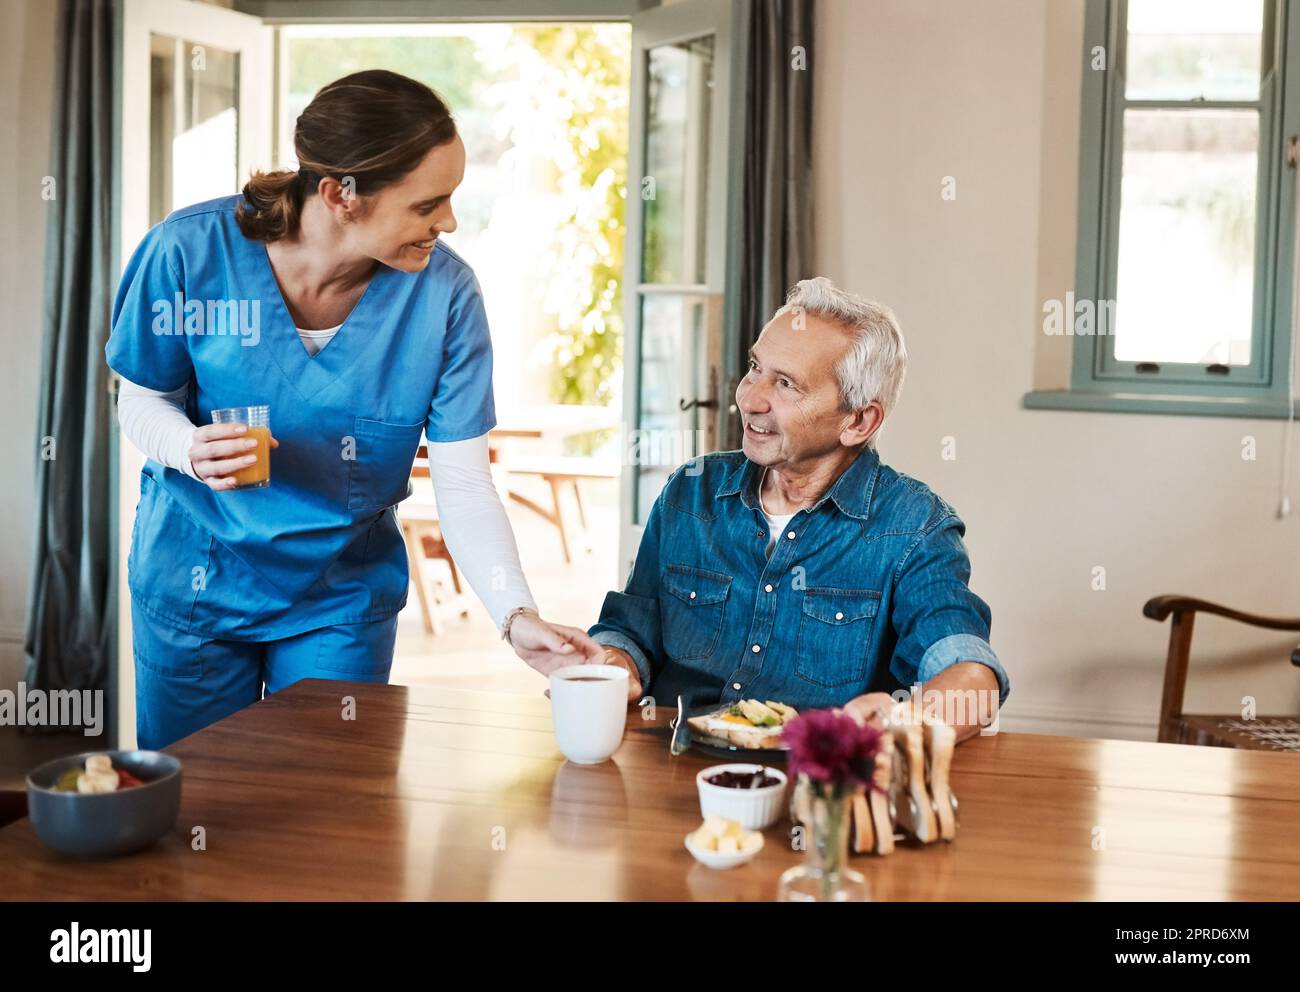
x=748 y=723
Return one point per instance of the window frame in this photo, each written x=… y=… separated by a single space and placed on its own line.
x=1098 y=381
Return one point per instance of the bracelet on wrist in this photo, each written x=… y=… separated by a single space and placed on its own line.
x=509 y=621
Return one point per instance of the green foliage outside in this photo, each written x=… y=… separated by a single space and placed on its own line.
x=580 y=92
x=563 y=89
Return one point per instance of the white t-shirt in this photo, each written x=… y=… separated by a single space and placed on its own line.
x=775 y=526
x=314 y=341
x=775 y=523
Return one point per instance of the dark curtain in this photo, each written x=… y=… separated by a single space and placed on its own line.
x=778 y=194
x=69 y=628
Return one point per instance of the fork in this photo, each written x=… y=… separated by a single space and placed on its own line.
x=681 y=739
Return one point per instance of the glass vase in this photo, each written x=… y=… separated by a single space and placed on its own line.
x=825 y=875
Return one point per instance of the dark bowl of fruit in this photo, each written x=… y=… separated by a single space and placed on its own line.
x=105 y=803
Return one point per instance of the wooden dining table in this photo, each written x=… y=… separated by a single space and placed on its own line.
x=345 y=791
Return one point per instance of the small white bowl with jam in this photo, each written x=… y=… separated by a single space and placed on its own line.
x=752 y=795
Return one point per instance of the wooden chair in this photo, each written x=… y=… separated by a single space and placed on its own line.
x=559 y=471
x=1263 y=733
x=423 y=539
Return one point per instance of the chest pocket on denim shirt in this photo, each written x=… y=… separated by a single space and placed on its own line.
x=835 y=634
x=381 y=466
x=692 y=610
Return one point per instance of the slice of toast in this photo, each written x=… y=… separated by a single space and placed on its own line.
x=878 y=798
x=873 y=827
x=914 y=812
x=864 y=831
x=940 y=739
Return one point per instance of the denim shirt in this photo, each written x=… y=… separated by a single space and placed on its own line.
x=865 y=590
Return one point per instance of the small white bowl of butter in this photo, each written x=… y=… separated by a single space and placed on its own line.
x=722 y=843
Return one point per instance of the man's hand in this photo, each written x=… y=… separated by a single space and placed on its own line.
x=960 y=678
x=621 y=659
x=548 y=646
x=870 y=707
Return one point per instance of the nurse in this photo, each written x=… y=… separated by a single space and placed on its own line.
x=326 y=295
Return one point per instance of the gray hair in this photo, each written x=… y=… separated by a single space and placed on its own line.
x=876 y=362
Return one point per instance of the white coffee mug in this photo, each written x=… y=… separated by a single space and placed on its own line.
x=589 y=715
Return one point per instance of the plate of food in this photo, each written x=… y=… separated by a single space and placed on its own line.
x=748 y=728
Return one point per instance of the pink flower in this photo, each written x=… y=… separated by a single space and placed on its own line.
x=831 y=748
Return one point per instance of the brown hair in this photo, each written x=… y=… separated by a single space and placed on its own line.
x=374 y=126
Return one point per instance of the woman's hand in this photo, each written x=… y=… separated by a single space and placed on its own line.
x=548 y=646
x=218 y=451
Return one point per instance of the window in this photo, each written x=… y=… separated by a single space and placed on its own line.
x=1182 y=296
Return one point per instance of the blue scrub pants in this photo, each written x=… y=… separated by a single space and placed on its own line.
x=184 y=682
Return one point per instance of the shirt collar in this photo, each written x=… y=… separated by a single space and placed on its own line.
x=851 y=492
x=742 y=479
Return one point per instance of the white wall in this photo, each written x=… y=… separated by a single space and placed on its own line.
x=27 y=79
x=910 y=91
x=987 y=91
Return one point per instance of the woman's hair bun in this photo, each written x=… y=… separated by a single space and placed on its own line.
x=272 y=205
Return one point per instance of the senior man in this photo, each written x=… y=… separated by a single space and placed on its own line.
x=801 y=569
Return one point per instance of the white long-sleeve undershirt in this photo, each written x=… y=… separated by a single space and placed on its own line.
x=475 y=526
x=470 y=512
x=157 y=424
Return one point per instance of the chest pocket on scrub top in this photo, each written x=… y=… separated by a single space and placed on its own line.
x=381 y=463
x=692 y=610
x=834 y=635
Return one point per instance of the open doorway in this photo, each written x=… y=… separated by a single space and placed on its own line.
x=543 y=110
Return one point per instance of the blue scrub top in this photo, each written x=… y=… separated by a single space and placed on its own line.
x=199 y=305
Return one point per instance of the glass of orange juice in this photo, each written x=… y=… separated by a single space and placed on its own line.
x=258 y=419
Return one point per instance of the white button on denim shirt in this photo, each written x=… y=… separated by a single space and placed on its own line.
x=873 y=596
